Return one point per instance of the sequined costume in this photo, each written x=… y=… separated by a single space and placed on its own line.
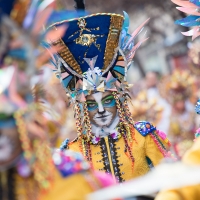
x=96 y=53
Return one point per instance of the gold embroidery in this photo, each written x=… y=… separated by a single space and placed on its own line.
x=116 y=22
x=88 y=40
x=67 y=56
x=82 y=25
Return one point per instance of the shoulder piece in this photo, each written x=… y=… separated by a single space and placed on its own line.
x=69 y=162
x=144 y=127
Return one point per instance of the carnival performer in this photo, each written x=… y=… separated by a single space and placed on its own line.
x=144 y=108
x=179 y=89
x=92 y=66
x=29 y=168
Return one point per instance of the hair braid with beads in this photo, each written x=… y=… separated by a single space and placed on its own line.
x=127 y=111
x=87 y=121
x=78 y=119
x=119 y=108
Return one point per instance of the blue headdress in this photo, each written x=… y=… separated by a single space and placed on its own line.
x=96 y=51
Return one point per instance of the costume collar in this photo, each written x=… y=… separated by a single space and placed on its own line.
x=105 y=131
x=100 y=132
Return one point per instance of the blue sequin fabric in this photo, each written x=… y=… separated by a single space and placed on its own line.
x=144 y=127
x=197 y=107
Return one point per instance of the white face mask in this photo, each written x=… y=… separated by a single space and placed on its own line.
x=103 y=113
x=6 y=148
x=102 y=117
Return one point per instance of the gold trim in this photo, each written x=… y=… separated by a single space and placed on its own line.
x=67 y=56
x=92 y=15
x=116 y=22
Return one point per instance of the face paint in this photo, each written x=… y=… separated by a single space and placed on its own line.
x=6 y=148
x=107 y=102
x=10 y=146
x=102 y=108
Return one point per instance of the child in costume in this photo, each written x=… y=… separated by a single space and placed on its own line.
x=29 y=168
x=92 y=66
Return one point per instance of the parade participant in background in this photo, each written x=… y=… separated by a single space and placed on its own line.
x=29 y=169
x=92 y=66
x=178 y=89
x=144 y=108
x=190 y=158
x=148 y=104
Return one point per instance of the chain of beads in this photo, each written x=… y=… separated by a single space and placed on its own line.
x=37 y=153
x=78 y=119
x=118 y=105
x=127 y=111
x=43 y=156
x=122 y=116
x=127 y=146
x=87 y=121
x=159 y=145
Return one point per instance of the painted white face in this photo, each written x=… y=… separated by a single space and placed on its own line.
x=6 y=148
x=102 y=108
x=10 y=146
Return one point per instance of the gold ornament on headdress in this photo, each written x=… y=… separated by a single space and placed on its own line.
x=178 y=86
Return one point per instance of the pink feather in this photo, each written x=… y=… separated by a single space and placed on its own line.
x=136 y=47
x=55 y=34
x=196 y=33
x=135 y=33
x=191 y=11
x=183 y=3
x=188 y=33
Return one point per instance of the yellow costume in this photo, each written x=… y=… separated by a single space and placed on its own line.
x=71 y=179
x=112 y=156
x=92 y=65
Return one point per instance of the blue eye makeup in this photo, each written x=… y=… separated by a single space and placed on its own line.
x=92 y=105
x=107 y=102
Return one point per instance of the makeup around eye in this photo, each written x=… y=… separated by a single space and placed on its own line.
x=107 y=102
x=92 y=105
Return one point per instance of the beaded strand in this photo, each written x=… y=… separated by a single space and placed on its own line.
x=78 y=119
x=37 y=153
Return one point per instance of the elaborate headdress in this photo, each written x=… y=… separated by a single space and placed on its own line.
x=144 y=108
x=180 y=85
x=95 y=56
x=191 y=7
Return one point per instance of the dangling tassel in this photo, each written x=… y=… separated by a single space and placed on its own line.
x=128 y=149
x=37 y=153
x=87 y=122
x=78 y=119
